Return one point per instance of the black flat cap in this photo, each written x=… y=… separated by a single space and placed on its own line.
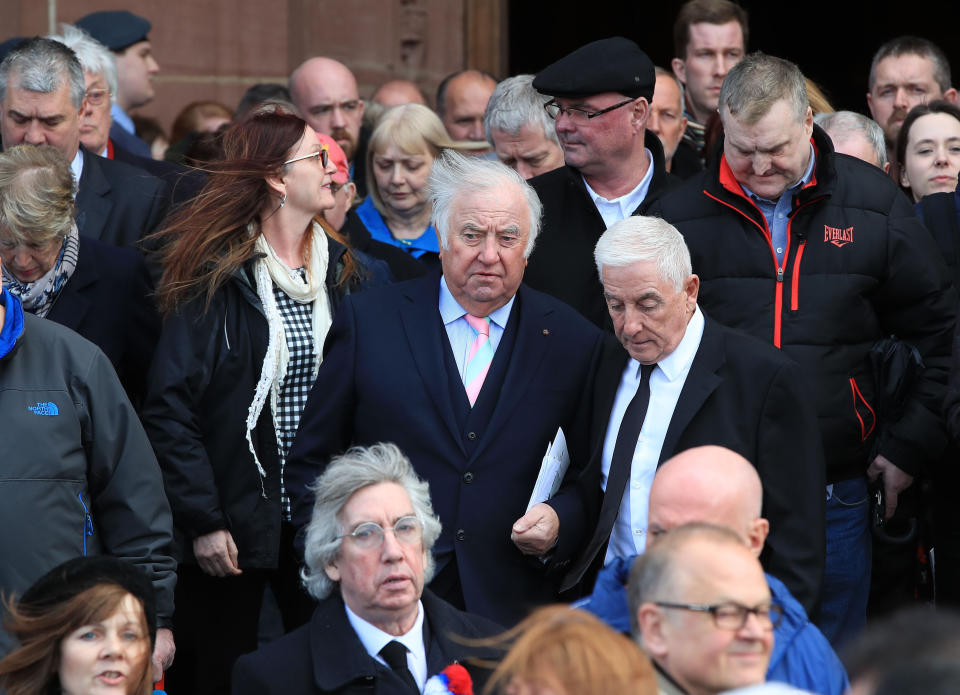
x=608 y=65
x=115 y=29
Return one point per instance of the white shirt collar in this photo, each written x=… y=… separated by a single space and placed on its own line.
x=628 y=202
x=374 y=639
x=677 y=363
x=76 y=168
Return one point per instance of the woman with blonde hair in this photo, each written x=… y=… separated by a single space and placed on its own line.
x=400 y=155
x=560 y=650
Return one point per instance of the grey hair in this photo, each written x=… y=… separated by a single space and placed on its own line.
x=658 y=71
x=94 y=57
x=636 y=239
x=36 y=195
x=454 y=175
x=43 y=65
x=514 y=104
x=654 y=574
x=842 y=125
x=757 y=82
x=348 y=473
x=913 y=45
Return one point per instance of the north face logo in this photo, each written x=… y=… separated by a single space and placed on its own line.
x=837 y=236
x=46 y=408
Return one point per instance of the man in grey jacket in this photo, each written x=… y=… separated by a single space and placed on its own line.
x=77 y=474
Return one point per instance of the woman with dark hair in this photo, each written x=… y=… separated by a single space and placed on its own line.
x=86 y=626
x=928 y=149
x=248 y=291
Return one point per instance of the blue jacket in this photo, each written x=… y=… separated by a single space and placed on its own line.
x=801 y=657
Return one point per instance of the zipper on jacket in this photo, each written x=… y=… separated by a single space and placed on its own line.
x=795 y=275
x=87 y=522
x=778 y=292
x=855 y=392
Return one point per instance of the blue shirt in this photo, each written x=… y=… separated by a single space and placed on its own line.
x=121 y=118
x=373 y=221
x=777 y=212
x=460 y=333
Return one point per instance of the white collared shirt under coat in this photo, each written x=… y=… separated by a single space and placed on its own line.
x=374 y=639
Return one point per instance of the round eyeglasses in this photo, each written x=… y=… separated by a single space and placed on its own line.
x=369 y=535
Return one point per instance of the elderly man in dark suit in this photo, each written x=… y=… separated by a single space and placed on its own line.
x=42 y=94
x=471 y=374
x=601 y=103
x=676 y=380
x=368 y=553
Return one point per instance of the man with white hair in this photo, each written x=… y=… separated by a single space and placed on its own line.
x=522 y=134
x=856 y=135
x=471 y=374
x=674 y=379
x=369 y=555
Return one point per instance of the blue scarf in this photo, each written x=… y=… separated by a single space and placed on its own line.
x=12 y=327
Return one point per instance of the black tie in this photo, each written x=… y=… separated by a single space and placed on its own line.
x=622 y=459
x=395 y=654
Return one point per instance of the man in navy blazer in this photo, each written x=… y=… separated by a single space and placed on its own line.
x=707 y=384
x=474 y=411
x=116 y=203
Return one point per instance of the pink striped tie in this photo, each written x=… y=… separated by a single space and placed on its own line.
x=479 y=358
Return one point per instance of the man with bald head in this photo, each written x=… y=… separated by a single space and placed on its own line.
x=674 y=379
x=703 y=611
x=714 y=485
x=399 y=92
x=325 y=91
x=461 y=102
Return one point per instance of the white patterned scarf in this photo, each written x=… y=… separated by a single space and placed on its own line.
x=38 y=296
x=270 y=271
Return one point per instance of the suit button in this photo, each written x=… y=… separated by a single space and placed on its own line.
x=471 y=436
x=468 y=477
x=461 y=534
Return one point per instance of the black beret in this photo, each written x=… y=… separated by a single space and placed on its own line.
x=608 y=65
x=75 y=576
x=115 y=29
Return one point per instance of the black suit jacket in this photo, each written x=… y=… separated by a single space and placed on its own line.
x=383 y=378
x=747 y=396
x=182 y=182
x=118 y=203
x=108 y=300
x=326 y=655
x=562 y=261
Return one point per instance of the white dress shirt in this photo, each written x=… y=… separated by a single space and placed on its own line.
x=629 y=533
x=613 y=211
x=460 y=333
x=76 y=168
x=374 y=639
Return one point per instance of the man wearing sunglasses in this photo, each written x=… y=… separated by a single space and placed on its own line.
x=601 y=102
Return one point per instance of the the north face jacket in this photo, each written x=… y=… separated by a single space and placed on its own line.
x=859 y=265
x=77 y=474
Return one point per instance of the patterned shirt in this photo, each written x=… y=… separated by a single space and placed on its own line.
x=296 y=385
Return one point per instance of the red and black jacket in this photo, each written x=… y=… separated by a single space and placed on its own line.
x=858 y=266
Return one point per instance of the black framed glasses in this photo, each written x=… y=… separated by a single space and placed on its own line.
x=731 y=615
x=369 y=535
x=555 y=110
x=322 y=156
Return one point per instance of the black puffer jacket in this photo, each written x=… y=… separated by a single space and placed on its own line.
x=859 y=265
x=204 y=374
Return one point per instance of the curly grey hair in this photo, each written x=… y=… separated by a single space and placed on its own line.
x=354 y=470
